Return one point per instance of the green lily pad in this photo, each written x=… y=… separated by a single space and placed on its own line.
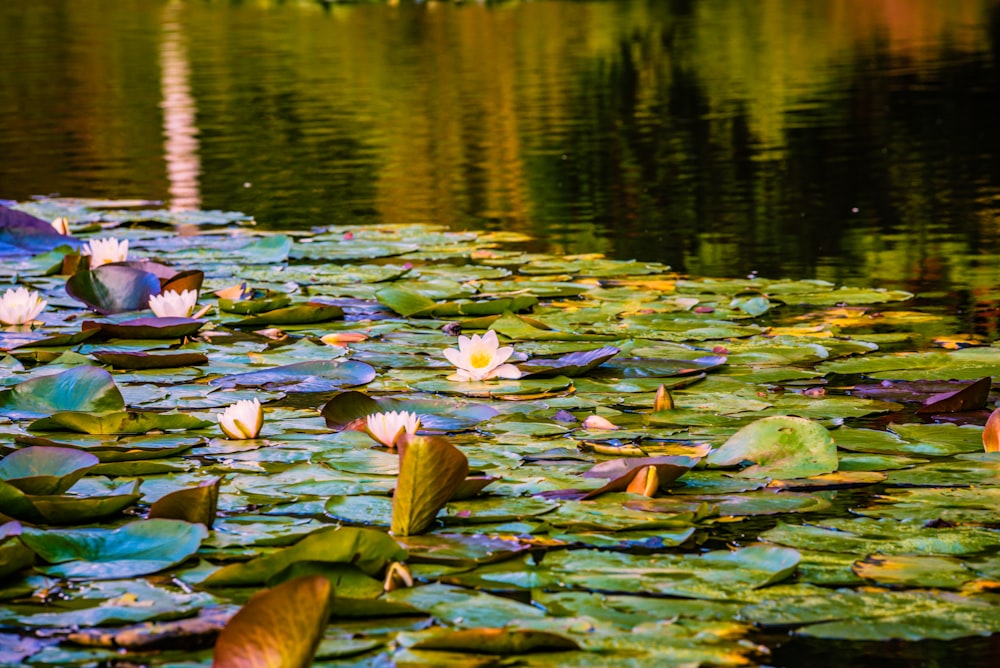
x=43 y=470
x=780 y=447
x=77 y=389
x=367 y=549
x=137 y=548
x=321 y=376
x=301 y=314
x=119 y=422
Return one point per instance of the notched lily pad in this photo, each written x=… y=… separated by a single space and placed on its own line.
x=113 y=288
x=43 y=470
x=779 y=447
x=78 y=389
x=138 y=548
x=347 y=409
x=146 y=328
x=570 y=365
x=319 y=376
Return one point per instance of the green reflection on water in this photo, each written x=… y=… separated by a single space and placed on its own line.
x=851 y=140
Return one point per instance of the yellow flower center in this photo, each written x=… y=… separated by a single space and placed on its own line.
x=480 y=359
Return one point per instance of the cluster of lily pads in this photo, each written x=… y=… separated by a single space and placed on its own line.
x=294 y=456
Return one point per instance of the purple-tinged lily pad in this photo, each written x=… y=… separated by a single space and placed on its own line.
x=318 y=376
x=146 y=328
x=113 y=288
x=150 y=361
x=348 y=409
x=570 y=365
x=637 y=367
x=23 y=234
x=968 y=398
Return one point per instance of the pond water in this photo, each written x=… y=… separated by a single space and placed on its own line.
x=849 y=140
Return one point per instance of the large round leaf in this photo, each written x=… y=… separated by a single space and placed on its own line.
x=367 y=549
x=435 y=414
x=138 y=548
x=113 y=288
x=82 y=388
x=44 y=470
x=779 y=447
x=146 y=328
x=319 y=376
x=571 y=365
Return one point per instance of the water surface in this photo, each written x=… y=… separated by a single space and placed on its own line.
x=850 y=140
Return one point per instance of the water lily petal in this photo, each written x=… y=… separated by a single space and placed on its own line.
x=508 y=371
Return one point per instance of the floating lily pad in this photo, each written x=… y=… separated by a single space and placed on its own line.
x=150 y=360
x=320 y=376
x=113 y=288
x=44 y=470
x=22 y=233
x=77 y=389
x=302 y=314
x=146 y=328
x=118 y=422
x=137 y=548
x=435 y=414
x=569 y=365
x=367 y=549
x=780 y=447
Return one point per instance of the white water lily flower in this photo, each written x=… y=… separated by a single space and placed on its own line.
x=386 y=428
x=242 y=420
x=61 y=225
x=170 y=304
x=103 y=251
x=19 y=307
x=481 y=358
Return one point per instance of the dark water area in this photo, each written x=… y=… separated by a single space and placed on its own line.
x=849 y=140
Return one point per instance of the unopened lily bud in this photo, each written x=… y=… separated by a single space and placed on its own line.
x=599 y=423
x=645 y=482
x=398 y=576
x=340 y=338
x=61 y=225
x=664 y=401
